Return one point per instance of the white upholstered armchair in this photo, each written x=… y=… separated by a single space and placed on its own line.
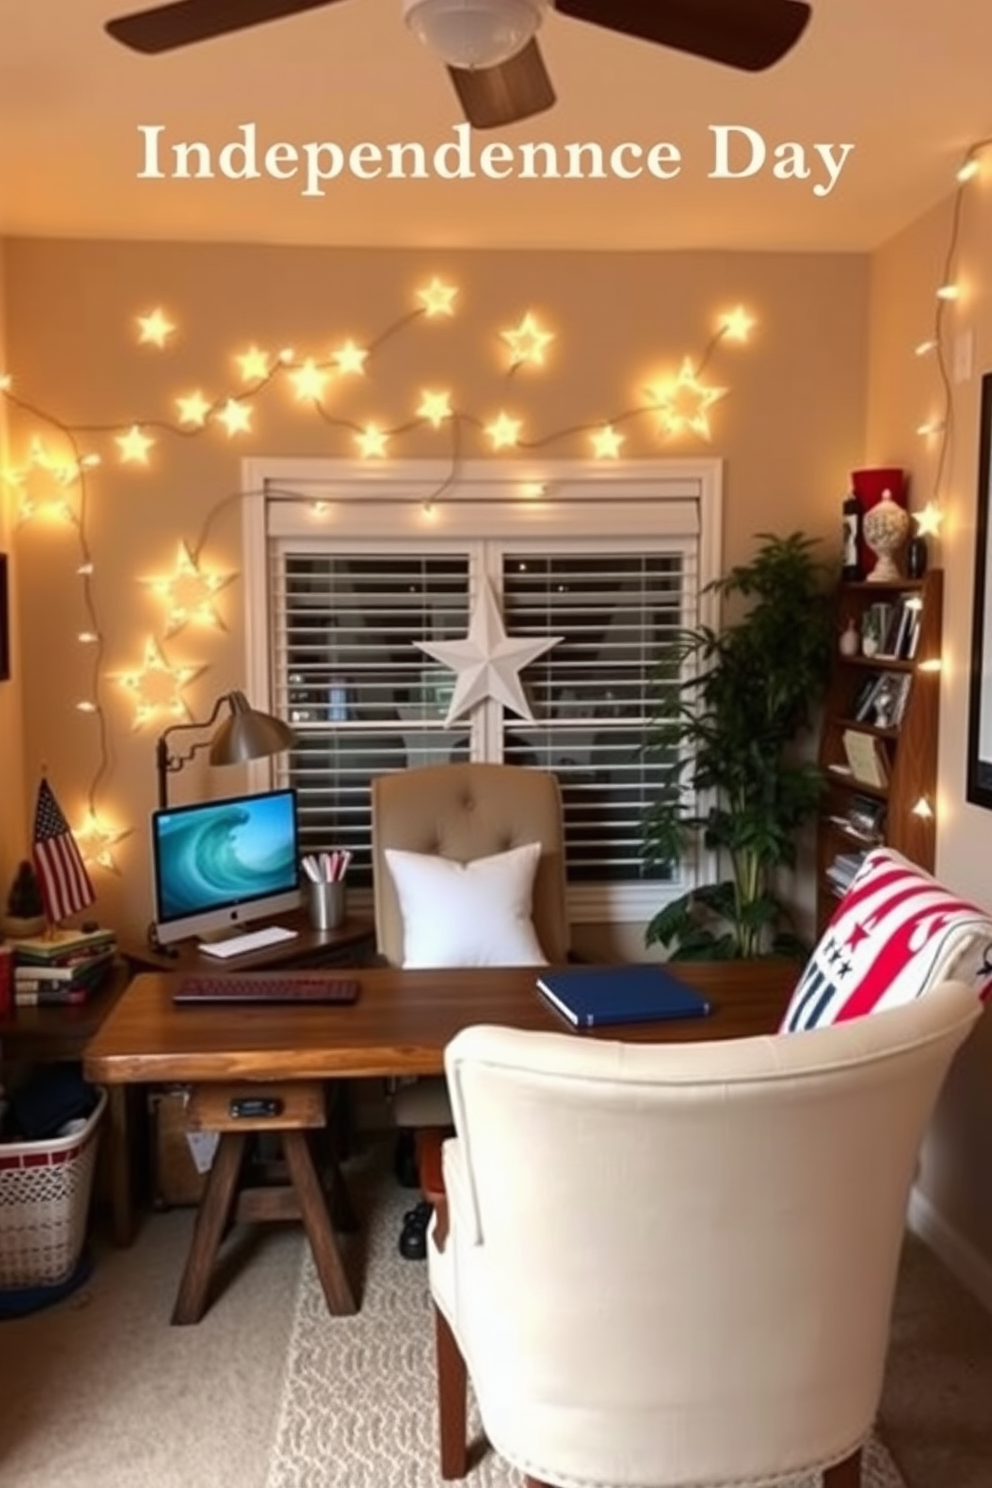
x=667 y=1266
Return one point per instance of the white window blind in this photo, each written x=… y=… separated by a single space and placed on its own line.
x=341 y=610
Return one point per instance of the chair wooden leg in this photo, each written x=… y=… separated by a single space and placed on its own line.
x=846 y=1474
x=452 y=1400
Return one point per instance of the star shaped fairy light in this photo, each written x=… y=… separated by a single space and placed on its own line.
x=606 y=442
x=737 y=325
x=434 y=408
x=193 y=409
x=349 y=358
x=157 y=686
x=253 y=364
x=236 y=417
x=504 y=431
x=683 y=402
x=134 y=446
x=527 y=342
x=488 y=662
x=928 y=520
x=309 y=380
x=189 y=594
x=437 y=298
x=96 y=841
x=372 y=442
x=154 y=329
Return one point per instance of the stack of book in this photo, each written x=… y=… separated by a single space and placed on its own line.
x=61 y=968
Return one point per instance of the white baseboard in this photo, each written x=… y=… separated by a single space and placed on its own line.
x=961 y=1258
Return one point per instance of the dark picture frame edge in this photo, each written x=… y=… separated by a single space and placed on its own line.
x=978 y=779
x=4 y=620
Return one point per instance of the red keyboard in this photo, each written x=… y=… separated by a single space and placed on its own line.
x=263 y=987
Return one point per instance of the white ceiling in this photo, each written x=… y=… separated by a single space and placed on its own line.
x=905 y=81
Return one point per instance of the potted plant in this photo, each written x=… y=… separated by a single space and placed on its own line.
x=25 y=914
x=730 y=706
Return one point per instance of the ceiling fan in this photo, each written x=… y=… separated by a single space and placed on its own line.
x=490 y=46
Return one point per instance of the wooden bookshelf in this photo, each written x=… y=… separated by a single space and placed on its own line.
x=907 y=747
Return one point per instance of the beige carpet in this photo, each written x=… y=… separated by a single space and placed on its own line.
x=358 y=1404
x=100 y=1392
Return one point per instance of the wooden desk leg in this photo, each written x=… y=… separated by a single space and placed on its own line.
x=211 y=1220
x=317 y=1223
x=119 y=1165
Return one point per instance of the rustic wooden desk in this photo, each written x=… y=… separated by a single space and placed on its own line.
x=400 y=1025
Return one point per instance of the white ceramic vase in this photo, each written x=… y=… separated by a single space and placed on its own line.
x=885 y=529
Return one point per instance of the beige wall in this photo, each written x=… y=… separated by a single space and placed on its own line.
x=903 y=392
x=789 y=430
x=13 y=820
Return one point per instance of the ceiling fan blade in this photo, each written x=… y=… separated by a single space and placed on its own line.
x=517 y=89
x=186 y=21
x=749 y=34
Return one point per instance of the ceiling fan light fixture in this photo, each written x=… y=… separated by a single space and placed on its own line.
x=474 y=33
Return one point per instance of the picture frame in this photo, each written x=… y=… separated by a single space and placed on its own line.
x=978 y=780
x=4 y=620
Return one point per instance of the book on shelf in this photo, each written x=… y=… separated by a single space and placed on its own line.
x=58 y=980
x=598 y=996
x=43 y=996
x=866 y=758
x=62 y=945
x=843 y=868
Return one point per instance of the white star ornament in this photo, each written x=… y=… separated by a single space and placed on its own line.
x=488 y=662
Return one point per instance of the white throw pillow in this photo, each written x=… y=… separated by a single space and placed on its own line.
x=467 y=914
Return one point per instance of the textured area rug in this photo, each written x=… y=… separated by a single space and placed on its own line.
x=358 y=1404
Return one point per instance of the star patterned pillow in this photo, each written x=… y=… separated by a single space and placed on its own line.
x=896 y=933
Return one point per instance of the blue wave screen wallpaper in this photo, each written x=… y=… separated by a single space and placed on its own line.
x=225 y=852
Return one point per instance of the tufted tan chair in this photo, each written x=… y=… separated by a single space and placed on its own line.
x=465 y=811
x=674 y=1265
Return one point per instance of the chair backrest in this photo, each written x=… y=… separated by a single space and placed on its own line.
x=675 y=1264
x=463 y=812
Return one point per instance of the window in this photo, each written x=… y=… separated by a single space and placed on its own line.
x=344 y=605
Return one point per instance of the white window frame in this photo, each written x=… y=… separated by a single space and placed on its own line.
x=567 y=502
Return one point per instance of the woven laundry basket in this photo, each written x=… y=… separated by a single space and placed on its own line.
x=45 y=1192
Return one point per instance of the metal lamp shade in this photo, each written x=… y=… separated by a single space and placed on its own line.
x=248 y=734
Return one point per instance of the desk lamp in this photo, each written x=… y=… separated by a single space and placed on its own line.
x=245 y=735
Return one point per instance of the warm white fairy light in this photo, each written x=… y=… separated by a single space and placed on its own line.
x=923 y=348
x=157 y=686
x=504 y=431
x=193 y=409
x=349 y=358
x=683 y=402
x=134 y=446
x=948 y=292
x=253 y=364
x=606 y=442
x=969 y=169
x=437 y=298
x=189 y=593
x=154 y=329
x=87 y=638
x=737 y=324
x=434 y=408
x=309 y=381
x=96 y=839
x=372 y=442
x=931 y=426
x=235 y=416
x=527 y=342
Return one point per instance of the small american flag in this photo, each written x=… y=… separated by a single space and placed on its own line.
x=65 y=884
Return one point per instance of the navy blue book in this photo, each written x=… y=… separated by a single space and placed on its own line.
x=598 y=996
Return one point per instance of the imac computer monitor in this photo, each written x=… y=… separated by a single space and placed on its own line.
x=219 y=864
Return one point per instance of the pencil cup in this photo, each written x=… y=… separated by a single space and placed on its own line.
x=327 y=905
